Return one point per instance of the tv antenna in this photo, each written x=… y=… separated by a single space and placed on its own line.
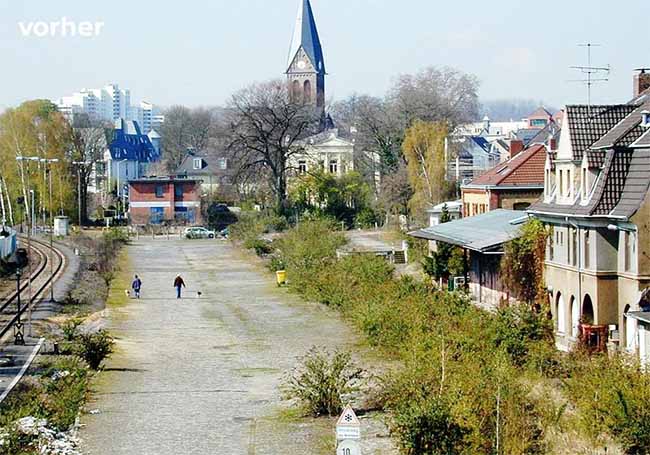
x=593 y=74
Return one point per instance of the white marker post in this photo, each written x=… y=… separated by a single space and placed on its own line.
x=348 y=433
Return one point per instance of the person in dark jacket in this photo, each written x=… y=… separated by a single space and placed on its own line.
x=136 y=286
x=178 y=284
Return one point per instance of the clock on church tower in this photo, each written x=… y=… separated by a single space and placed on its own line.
x=306 y=65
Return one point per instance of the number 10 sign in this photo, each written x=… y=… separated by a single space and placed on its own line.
x=348 y=433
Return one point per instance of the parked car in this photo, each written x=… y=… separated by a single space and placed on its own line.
x=199 y=233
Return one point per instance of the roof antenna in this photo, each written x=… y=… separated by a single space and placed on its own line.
x=592 y=73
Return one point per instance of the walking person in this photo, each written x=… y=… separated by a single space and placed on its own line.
x=136 y=286
x=178 y=284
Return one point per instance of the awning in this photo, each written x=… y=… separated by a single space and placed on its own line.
x=481 y=233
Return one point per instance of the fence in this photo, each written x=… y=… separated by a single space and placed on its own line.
x=7 y=244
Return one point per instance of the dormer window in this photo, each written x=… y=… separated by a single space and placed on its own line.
x=197 y=163
x=645 y=119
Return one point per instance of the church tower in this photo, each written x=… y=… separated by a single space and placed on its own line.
x=306 y=66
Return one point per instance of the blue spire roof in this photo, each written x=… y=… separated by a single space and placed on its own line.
x=305 y=35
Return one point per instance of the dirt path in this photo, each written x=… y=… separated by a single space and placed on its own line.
x=200 y=375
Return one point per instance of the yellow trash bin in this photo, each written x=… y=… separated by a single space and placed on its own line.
x=281 y=276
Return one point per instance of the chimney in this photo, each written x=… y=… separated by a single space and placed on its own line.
x=641 y=81
x=516 y=146
x=552 y=143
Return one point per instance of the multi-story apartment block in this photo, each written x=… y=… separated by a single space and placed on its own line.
x=109 y=104
x=597 y=202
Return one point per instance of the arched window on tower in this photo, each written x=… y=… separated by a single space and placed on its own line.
x=295 y=92
x=307 y=92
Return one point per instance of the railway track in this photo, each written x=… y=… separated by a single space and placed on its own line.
x=41 y=280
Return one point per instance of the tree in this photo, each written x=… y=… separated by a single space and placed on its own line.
x=184 y=129
x=424 y=152
x=34 y=129
x=522 y=266
x=435 y=95
x=89 y=142
x=448 y=260
x=342 y=198
x=265 y=130
x=396 y=192
x=369 y=121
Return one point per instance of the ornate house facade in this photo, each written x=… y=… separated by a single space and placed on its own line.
x=597 y=202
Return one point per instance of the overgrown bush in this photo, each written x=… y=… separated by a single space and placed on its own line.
x=613 y=395
x=70 y=328
x=428 y=428
x=322 y=381
x=95 y=347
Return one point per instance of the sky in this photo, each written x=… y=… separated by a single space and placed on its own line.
x=198 y=52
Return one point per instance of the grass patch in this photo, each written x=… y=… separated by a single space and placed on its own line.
x=121 y=281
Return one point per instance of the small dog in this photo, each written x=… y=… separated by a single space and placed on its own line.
x=127 y=293
x=199 y=294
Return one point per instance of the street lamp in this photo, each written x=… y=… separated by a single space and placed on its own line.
x=48 y=163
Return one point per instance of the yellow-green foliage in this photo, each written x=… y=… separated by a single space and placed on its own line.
x=613 y=395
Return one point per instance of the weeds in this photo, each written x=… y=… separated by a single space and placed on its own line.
x=322 y=381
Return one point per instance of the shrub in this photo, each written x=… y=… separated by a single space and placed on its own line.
x=612 y=395
x=322 y=381
x=95 y=347
x=70 y=328
x=427 y=428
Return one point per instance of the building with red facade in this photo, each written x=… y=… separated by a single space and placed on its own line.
x=167 y=200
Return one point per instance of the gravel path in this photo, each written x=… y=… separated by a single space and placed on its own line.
x=200 y=375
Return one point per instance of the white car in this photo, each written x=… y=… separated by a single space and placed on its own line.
x=199 y=233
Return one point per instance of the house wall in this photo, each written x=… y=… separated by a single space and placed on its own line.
x=474 y=201
x=508 y=199
x=486 y=287
x=143 y=201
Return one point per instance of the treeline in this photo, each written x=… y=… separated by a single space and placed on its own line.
x=38 y=149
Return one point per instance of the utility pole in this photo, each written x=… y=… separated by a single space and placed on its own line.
x=48 y=166
x=591 y=73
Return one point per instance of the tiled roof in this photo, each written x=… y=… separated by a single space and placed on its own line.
x=643 y=140
x=625 y=131
x=128 y=143
x=595 y=159
x=621 y=188
x=525 y=169
x=637 y=184
x=541 y=112
x=614 y=182
x=587 y=124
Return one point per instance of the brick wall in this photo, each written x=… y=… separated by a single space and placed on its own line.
x=149 y=206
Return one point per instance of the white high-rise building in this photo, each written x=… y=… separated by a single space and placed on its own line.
x=110 y=103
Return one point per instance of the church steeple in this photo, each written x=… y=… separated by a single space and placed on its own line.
x=306 y=65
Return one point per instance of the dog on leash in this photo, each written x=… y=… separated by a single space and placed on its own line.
x=127 y=293
x=199 y=294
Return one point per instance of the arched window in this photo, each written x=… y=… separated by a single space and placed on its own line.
x=295 y=92
x=575 y=317
x=587 y=311
x=560 y=313
x=307 y=92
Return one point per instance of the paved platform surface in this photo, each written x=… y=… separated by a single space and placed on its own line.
x=201 y=375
